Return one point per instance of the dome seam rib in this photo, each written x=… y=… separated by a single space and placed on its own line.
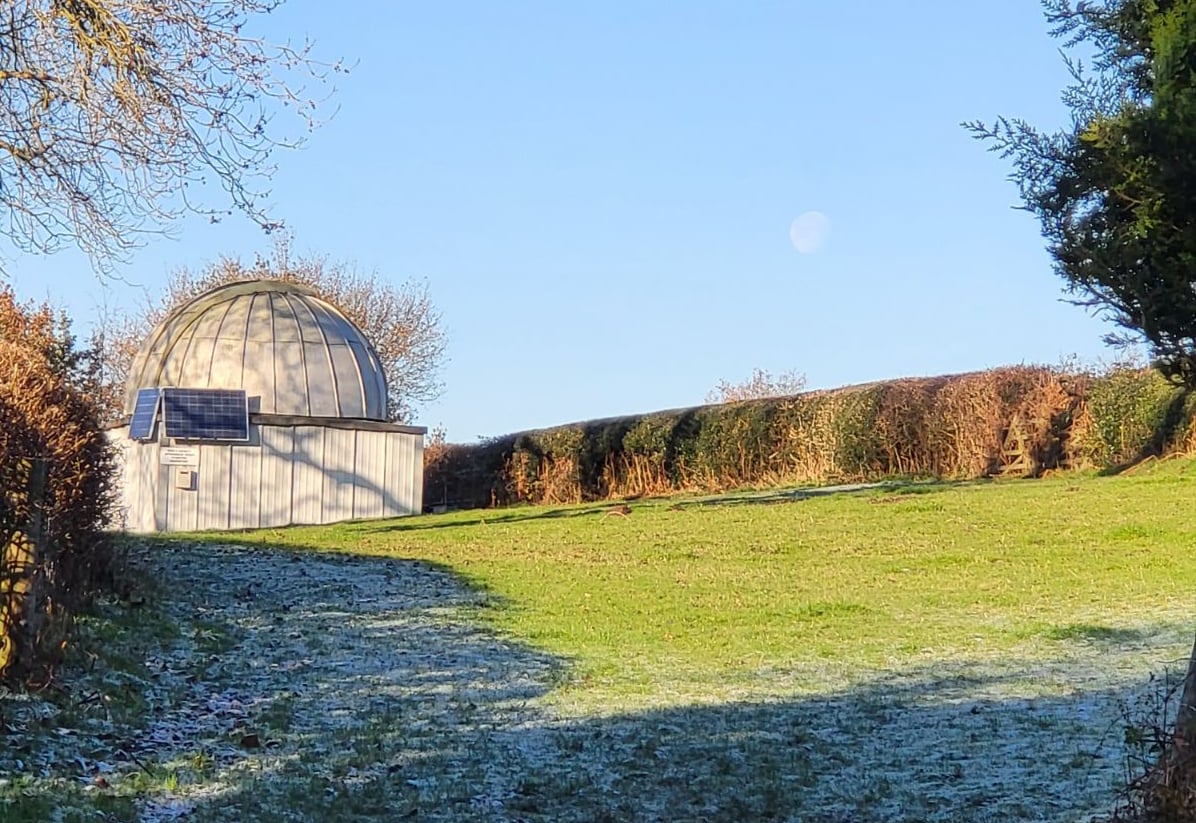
x=245 y=335
x=336 y=394
x=215 y=341
x=302 y=343
x=273 y=353
x=337 y=318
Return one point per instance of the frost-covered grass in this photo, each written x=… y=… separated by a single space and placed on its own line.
x=938 y=653
x=68 y=751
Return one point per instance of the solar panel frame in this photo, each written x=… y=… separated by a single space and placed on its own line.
x=206 y=414
x=145 y=414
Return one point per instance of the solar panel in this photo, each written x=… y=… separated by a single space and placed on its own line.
x=145 y=414
x=206 y=414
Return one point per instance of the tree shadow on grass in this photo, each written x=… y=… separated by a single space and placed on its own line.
x=519 y=514
x=919 y=750
x=359 y=688
x=1098 y=633
x=879 y=491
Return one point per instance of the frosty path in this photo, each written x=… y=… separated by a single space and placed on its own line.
x=329 y=655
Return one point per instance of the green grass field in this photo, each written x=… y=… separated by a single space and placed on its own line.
x=926 y=652
x=758 y=595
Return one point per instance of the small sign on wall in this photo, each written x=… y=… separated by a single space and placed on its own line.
x=179 y=456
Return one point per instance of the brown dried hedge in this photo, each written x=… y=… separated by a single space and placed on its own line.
x=947 y=427
x=45 y=414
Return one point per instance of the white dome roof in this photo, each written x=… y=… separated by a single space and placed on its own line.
x=283 y=344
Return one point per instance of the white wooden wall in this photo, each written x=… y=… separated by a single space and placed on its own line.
x=285 y=475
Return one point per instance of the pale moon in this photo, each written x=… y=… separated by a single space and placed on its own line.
x=809 y=231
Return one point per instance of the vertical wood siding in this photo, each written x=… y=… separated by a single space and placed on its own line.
x=276 y=473
x=307 y=490
x=245 y=487
x=182 y=505
x=415 y=475
x=285 y=475
x=339 y=454
x=369 y=475
x=212 y=495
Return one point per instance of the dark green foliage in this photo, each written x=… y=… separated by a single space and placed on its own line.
x=1116 y=191
x=472 y=476
x=651 y=437
x=658 y=441
x=1129 y=415
x=859 y=449
x=733 y=443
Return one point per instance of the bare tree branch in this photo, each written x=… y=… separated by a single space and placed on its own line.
x=759 y=386
x=114 y=112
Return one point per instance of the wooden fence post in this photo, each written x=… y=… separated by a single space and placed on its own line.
x=39 y=479
x=1185 y=720
x=22 y=592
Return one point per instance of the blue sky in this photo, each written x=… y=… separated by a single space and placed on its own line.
x=600 y=195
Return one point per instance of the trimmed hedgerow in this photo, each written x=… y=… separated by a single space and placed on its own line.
x=960 y=426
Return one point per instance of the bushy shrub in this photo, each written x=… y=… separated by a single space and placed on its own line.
x=971 y=416
x=546 y=465
x=732 y=446
x=858 y=450
x=803 y=432
x=903 y=425
x=1128 y=414
x=646 y=464
x=44 y=415
x=469 y=475
x=825 y=437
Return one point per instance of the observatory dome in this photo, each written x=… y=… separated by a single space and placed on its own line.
x=291 y=351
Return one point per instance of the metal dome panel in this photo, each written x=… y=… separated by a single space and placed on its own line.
x=291 y=351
